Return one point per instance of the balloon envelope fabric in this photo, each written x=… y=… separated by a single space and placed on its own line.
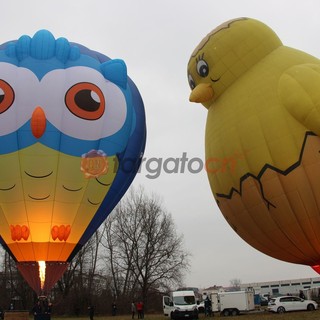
x=69 y=119
x=262 y=136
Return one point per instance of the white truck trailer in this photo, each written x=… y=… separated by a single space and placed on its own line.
x=233 y=303
x=181 y=304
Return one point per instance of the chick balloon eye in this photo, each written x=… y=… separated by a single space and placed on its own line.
x=202 y=68
x=6 y=96
x=191 y=82
x=85 y=100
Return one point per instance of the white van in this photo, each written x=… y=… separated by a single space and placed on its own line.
x=181 y=304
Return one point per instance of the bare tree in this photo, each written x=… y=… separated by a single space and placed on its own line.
x=12 y=284
x=143 y=250
x=77 y=286
x=235 y=284
x=92 y=248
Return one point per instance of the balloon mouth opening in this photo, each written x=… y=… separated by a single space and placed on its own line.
x=42 y=275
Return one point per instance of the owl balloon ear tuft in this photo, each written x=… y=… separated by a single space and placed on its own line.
x=42 y=46
x=115 y=71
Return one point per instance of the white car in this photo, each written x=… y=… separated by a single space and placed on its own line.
x=201 y=307
x=291 y=303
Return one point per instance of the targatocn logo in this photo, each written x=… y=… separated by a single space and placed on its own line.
x=155 y=166
x=95 y=164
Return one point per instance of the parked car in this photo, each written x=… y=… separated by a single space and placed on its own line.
x=290 y=303
x=201 y=306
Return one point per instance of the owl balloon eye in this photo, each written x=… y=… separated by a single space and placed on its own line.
x=6 y=96
x=85 y=100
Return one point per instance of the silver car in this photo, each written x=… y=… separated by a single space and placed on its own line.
x=291 y=303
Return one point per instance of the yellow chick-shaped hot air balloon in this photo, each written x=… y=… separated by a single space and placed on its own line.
x=262 y=136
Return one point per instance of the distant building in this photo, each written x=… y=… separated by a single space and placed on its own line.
x=214 y=289
x=283 y=287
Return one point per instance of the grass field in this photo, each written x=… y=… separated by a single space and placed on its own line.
x=313 y=315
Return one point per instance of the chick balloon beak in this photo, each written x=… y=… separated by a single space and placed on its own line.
x=203 y=92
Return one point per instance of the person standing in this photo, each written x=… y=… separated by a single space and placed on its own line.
x=207 y=307
x=301 y=295
x=133 y=309
x=140 y=310
x=114 y=309
x=36 y=310
x=91 y=311
x=47 y=310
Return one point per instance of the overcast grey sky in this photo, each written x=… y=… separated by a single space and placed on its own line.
x=156 y=38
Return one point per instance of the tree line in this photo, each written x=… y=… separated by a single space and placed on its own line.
x=135 y=255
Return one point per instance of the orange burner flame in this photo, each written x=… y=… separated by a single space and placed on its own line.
x=42 y=272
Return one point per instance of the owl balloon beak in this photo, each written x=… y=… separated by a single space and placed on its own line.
x=38 y=122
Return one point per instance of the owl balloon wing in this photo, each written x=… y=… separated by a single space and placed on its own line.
x=299 y=92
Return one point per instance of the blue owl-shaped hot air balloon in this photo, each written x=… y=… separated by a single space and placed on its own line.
x=72 y=136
